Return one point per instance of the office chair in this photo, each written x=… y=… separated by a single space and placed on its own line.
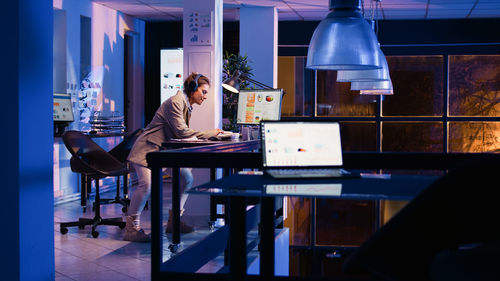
x=121 y=152
x=90 y=160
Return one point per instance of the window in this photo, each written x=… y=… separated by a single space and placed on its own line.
x=441 y=103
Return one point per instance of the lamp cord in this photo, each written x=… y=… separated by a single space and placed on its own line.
x=372 y=9
x=374 y=13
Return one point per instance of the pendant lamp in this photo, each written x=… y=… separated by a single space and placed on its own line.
x=343 y=40
x=373 y=87
x=381 y=74
x=369 y=82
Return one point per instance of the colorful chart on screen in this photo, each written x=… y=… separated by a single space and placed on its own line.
x=257 y=105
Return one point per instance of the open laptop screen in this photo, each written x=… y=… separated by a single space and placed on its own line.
x=301 y=144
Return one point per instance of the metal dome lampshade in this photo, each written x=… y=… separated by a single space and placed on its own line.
x=381 y=74
x=344 y=40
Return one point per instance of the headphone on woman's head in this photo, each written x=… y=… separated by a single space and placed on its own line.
x=193 y=85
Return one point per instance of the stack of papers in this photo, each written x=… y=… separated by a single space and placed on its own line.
x=107 y=124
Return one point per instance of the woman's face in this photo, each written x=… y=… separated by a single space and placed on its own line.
x=199 y=95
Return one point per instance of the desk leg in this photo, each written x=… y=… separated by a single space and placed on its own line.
x=237 y=238
x=176 y=206
x=267 y=221
x=156 y=220
x=213 y=202
x=316 y=259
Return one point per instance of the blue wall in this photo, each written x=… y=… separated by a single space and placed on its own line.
x=26 y=171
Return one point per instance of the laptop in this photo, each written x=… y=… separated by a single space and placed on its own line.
x=302 y=149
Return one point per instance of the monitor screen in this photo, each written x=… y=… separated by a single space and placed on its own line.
x=63 y=109
x=301 y=144
x=257 y=105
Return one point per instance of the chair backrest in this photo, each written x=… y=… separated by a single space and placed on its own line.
x=122 y=150
x=89 y=158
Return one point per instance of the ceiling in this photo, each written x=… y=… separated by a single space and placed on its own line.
x=311 y=10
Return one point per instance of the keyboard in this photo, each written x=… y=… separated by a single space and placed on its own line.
x=307 y=173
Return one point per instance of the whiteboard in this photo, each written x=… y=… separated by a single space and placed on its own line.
x=171 y=71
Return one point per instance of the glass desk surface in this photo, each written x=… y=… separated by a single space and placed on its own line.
x=394 y=187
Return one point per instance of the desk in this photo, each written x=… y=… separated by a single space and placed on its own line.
x=240 y=155
x=239 y=187
x=223 y=154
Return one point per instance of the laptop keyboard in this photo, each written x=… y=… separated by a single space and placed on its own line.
x=307 y=173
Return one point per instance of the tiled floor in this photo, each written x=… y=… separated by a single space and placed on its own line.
x=79 y=256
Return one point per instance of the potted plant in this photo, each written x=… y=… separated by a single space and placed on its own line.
x=233 y=64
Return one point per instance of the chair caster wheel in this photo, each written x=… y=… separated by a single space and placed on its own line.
x=64 y=230
x=173 y=248
x=95 y=234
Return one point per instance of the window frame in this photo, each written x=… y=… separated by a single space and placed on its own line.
x=444 y=50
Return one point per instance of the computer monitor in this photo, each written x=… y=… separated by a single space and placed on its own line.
x=257 y=105
x=63 y=109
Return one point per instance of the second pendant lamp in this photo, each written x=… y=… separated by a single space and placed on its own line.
x=344 y=40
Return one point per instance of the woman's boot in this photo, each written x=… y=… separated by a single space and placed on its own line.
x=133 y=231
x=184 y=228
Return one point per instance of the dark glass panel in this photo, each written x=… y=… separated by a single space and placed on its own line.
x=418 y=86
x=474 y=85
x=359 y=136
x=307 y=262
x=474 y=137
x=412 y=137
x=300 y=262
x=344 y=222
x=337 y=99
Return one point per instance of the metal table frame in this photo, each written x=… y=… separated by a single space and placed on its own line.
x=239 y=155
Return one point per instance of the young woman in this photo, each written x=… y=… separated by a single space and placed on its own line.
x=171 y=121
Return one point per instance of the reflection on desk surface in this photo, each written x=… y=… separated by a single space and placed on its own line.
x=327 y=189
x=395 y=187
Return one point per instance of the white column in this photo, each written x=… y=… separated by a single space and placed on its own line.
x=202 y=44
x=259 y=40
